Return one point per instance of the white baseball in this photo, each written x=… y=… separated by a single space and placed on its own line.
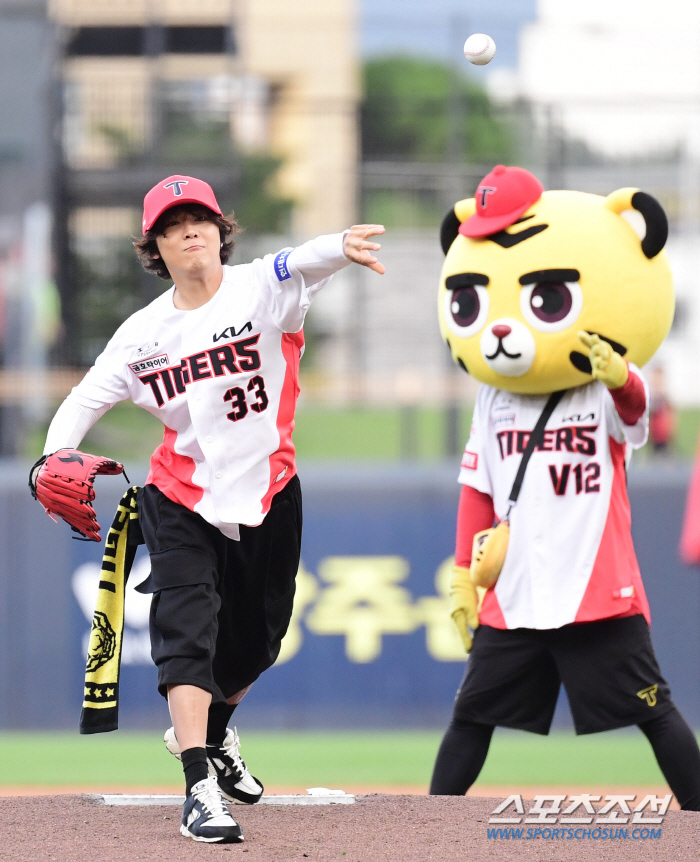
x=479 y=49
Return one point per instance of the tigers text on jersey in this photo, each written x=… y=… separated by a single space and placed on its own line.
x=223 y=379
x=570 y=556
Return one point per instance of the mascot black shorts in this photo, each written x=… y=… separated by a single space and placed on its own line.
x=607 y=667
x=220 y=608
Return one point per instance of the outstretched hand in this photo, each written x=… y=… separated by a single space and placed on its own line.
x=606 y=365
x=359 y=250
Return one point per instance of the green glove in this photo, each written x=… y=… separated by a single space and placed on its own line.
x=464 y=602
x=608 y=367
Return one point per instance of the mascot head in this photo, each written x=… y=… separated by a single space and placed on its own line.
x=525 y=271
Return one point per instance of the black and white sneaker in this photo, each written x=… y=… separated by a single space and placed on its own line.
x=227 y=766
x=236 y=783
x=205 y=816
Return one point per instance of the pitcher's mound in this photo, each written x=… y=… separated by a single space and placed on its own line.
x=375 y=829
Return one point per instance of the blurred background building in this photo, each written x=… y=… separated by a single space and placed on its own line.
x=306 y=117
x=257 y=98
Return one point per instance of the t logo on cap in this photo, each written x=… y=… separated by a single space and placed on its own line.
x=176 y=185
x=485 y=191
x=501 y=198
x=158 y=200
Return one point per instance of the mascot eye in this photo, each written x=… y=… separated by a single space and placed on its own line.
x=465 y=306
x=466 y=309
x=551 y=306
x=551 y=302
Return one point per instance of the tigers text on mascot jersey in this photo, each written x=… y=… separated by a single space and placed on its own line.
x=552 y=300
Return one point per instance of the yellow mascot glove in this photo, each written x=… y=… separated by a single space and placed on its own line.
x=464 y=603
x=608 y=367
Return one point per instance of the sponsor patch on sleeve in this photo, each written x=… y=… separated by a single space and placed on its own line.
x=505 y=419
x=153 y=363
x=281 y=270
x=470 y=460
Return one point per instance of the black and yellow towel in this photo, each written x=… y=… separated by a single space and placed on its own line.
x=100 y=711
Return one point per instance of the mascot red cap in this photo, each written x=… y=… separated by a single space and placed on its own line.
x=501 y=198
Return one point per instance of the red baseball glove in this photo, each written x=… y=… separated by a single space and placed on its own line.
x=63 y=484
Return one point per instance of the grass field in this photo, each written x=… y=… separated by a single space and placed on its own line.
x=380 y=758
x=344 y=433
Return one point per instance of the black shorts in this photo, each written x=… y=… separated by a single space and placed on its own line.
x=608 y=668
x=220 y=608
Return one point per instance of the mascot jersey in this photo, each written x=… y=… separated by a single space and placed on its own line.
x=570 y=555
x=536 y=287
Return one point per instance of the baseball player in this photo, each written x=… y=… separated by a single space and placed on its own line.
x=216 y=359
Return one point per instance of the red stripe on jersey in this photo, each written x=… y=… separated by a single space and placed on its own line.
x=282 y=464
x=616 y=568
x=475 y=514
x=491 y=613
x=172 y=473
x=630 y=400
x=690 y=537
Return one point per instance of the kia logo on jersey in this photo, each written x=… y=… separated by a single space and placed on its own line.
x=578 y=417
x=231 y=331
x=176 y=186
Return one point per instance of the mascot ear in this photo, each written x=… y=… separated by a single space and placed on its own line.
x=651 y=211
x=454 y=218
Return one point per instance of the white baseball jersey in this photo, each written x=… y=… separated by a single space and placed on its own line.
x=570 y=556
x=223 y=380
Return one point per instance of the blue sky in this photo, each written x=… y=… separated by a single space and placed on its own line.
x=438 y=28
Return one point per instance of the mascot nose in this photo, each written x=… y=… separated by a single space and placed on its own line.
x=501 y=330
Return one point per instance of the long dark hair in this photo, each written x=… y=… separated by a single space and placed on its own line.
x=147 y=248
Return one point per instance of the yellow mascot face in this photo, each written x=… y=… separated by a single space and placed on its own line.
x=512 y=302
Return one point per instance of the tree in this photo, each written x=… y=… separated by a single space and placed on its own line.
x=259 y=208
x=418 y=110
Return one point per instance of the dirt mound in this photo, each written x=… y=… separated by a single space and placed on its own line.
x=375 y=829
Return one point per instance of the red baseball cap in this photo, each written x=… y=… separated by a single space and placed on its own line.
x=501 y=198
x=173 y=191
